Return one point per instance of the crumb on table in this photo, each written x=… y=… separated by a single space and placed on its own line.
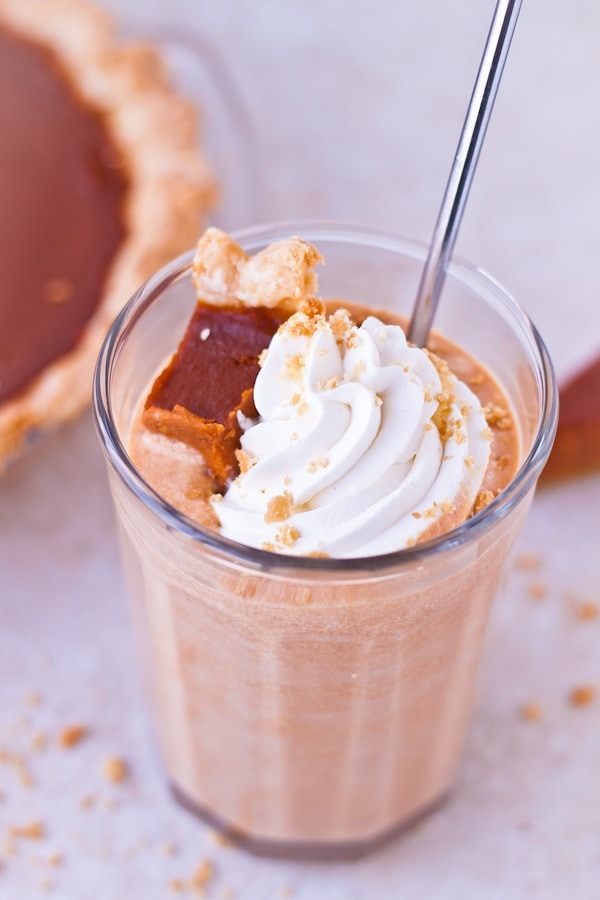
x=72 y=735
x=582 y=695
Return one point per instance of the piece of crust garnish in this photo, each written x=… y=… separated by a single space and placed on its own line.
x=203 y=395
x=281 y=275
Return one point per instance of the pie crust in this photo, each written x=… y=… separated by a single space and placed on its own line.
x=170 y=185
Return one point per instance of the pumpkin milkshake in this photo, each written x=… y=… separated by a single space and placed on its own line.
x=314 y=517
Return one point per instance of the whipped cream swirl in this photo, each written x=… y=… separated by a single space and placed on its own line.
x=362 y=446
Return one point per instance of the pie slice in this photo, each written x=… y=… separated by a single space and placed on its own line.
x=203 y=395
x=576 y=449
x=101 y=181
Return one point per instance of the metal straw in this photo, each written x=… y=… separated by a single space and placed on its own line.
x=463 y=169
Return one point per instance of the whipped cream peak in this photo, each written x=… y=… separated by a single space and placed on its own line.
x=363 y=443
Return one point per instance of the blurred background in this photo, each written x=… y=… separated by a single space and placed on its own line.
x=343 y=110
x=356 y=114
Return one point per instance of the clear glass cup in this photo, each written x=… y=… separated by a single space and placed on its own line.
x=314 y=707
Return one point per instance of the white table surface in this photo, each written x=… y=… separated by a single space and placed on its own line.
x=356 y=110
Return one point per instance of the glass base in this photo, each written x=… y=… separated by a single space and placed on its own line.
x=298 y=850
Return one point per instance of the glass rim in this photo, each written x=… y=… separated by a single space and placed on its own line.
x=266 y=560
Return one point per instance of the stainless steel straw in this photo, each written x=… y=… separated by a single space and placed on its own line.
x=463 y=169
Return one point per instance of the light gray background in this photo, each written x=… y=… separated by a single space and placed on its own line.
x=355 y=109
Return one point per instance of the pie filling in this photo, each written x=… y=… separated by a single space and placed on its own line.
x=209 y=382
x=62 y=189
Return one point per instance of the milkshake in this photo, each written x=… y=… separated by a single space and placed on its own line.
x=312 y=698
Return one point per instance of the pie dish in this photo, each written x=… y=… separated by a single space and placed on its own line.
x=102 y=182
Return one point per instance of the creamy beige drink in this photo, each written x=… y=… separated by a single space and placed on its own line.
x=306 y=702
x=350 y=442
x=178 y=472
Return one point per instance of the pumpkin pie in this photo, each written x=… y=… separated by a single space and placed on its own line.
x=203 y=395
x=576 y=449
x=102 y=181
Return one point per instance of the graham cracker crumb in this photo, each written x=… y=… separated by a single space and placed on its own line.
x=33 y=831
x=313 y=307
x=115 y=769
x=341 y=323
x=429 y=513
x=497 y=417
x=301 y=324
x=321 y=462
x=72 y=735
x=445 y=398
x=459 y=435
x=587 y=610
x=537 y=590
x=203 y=874
x=294 y=366
x=287 y=535
x=441 y=417
x=328 y=385
x=220 y=839
x=582 y=695
x=87 y=802
x=55 y=859
x=352 y=340
x=279 y=508
x=531 y=712
x=483 y=499
x=528 y=561
x=20 y=765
